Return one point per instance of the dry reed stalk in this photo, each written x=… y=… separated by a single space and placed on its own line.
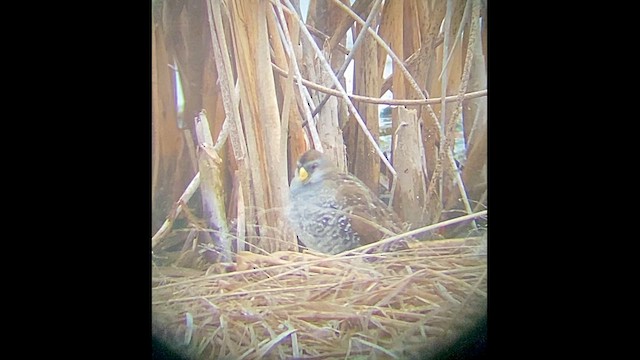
x=304 y=105
x=344 y=95
x=412 y=61
x=474 y=173
x=290 y=115
x=212 y=102
x=211 y=186
x=364 y=163
x=353 y=51
x=438 y=184
x=328 y=122
x=169 y=177
x=456 y=18
x=325 y=38
x=430 y=16
x=340 y=30
x=329 y=128
x=274 y=138
x=245 y=30
x=410 y=192
x=391 y=29
x=450 y=128
x=185 y=25
x=298 y=138
x=415 y=87
x=451 y=59
x=396 y=60
x=230 y=103
x=411 y=32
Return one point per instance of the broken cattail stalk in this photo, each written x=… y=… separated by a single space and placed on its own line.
x=211 y=188
x=184 y=198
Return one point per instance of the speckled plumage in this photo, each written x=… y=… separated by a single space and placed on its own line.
x=332 y=212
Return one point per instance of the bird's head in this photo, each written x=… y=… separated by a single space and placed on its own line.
x=312 y=167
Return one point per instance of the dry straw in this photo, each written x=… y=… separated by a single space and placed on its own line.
x=290 y=305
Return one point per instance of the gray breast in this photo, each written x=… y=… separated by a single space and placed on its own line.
x=320 y=222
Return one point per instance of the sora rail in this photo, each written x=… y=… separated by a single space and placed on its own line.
x=332 y=211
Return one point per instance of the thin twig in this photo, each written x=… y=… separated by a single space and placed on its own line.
x=184 y=198
x=374 y=100
x=481 y=201
x=463 y=193
x=423 y=230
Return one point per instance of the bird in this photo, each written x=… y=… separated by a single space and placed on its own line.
x=332 y=211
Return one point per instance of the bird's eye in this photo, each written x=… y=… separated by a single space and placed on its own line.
x=314 y=166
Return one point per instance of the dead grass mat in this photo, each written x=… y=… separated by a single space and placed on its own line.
x=299 y=305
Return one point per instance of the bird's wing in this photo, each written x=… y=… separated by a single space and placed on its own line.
x=370 y=217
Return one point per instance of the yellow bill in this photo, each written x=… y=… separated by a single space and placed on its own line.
x=303 y=174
